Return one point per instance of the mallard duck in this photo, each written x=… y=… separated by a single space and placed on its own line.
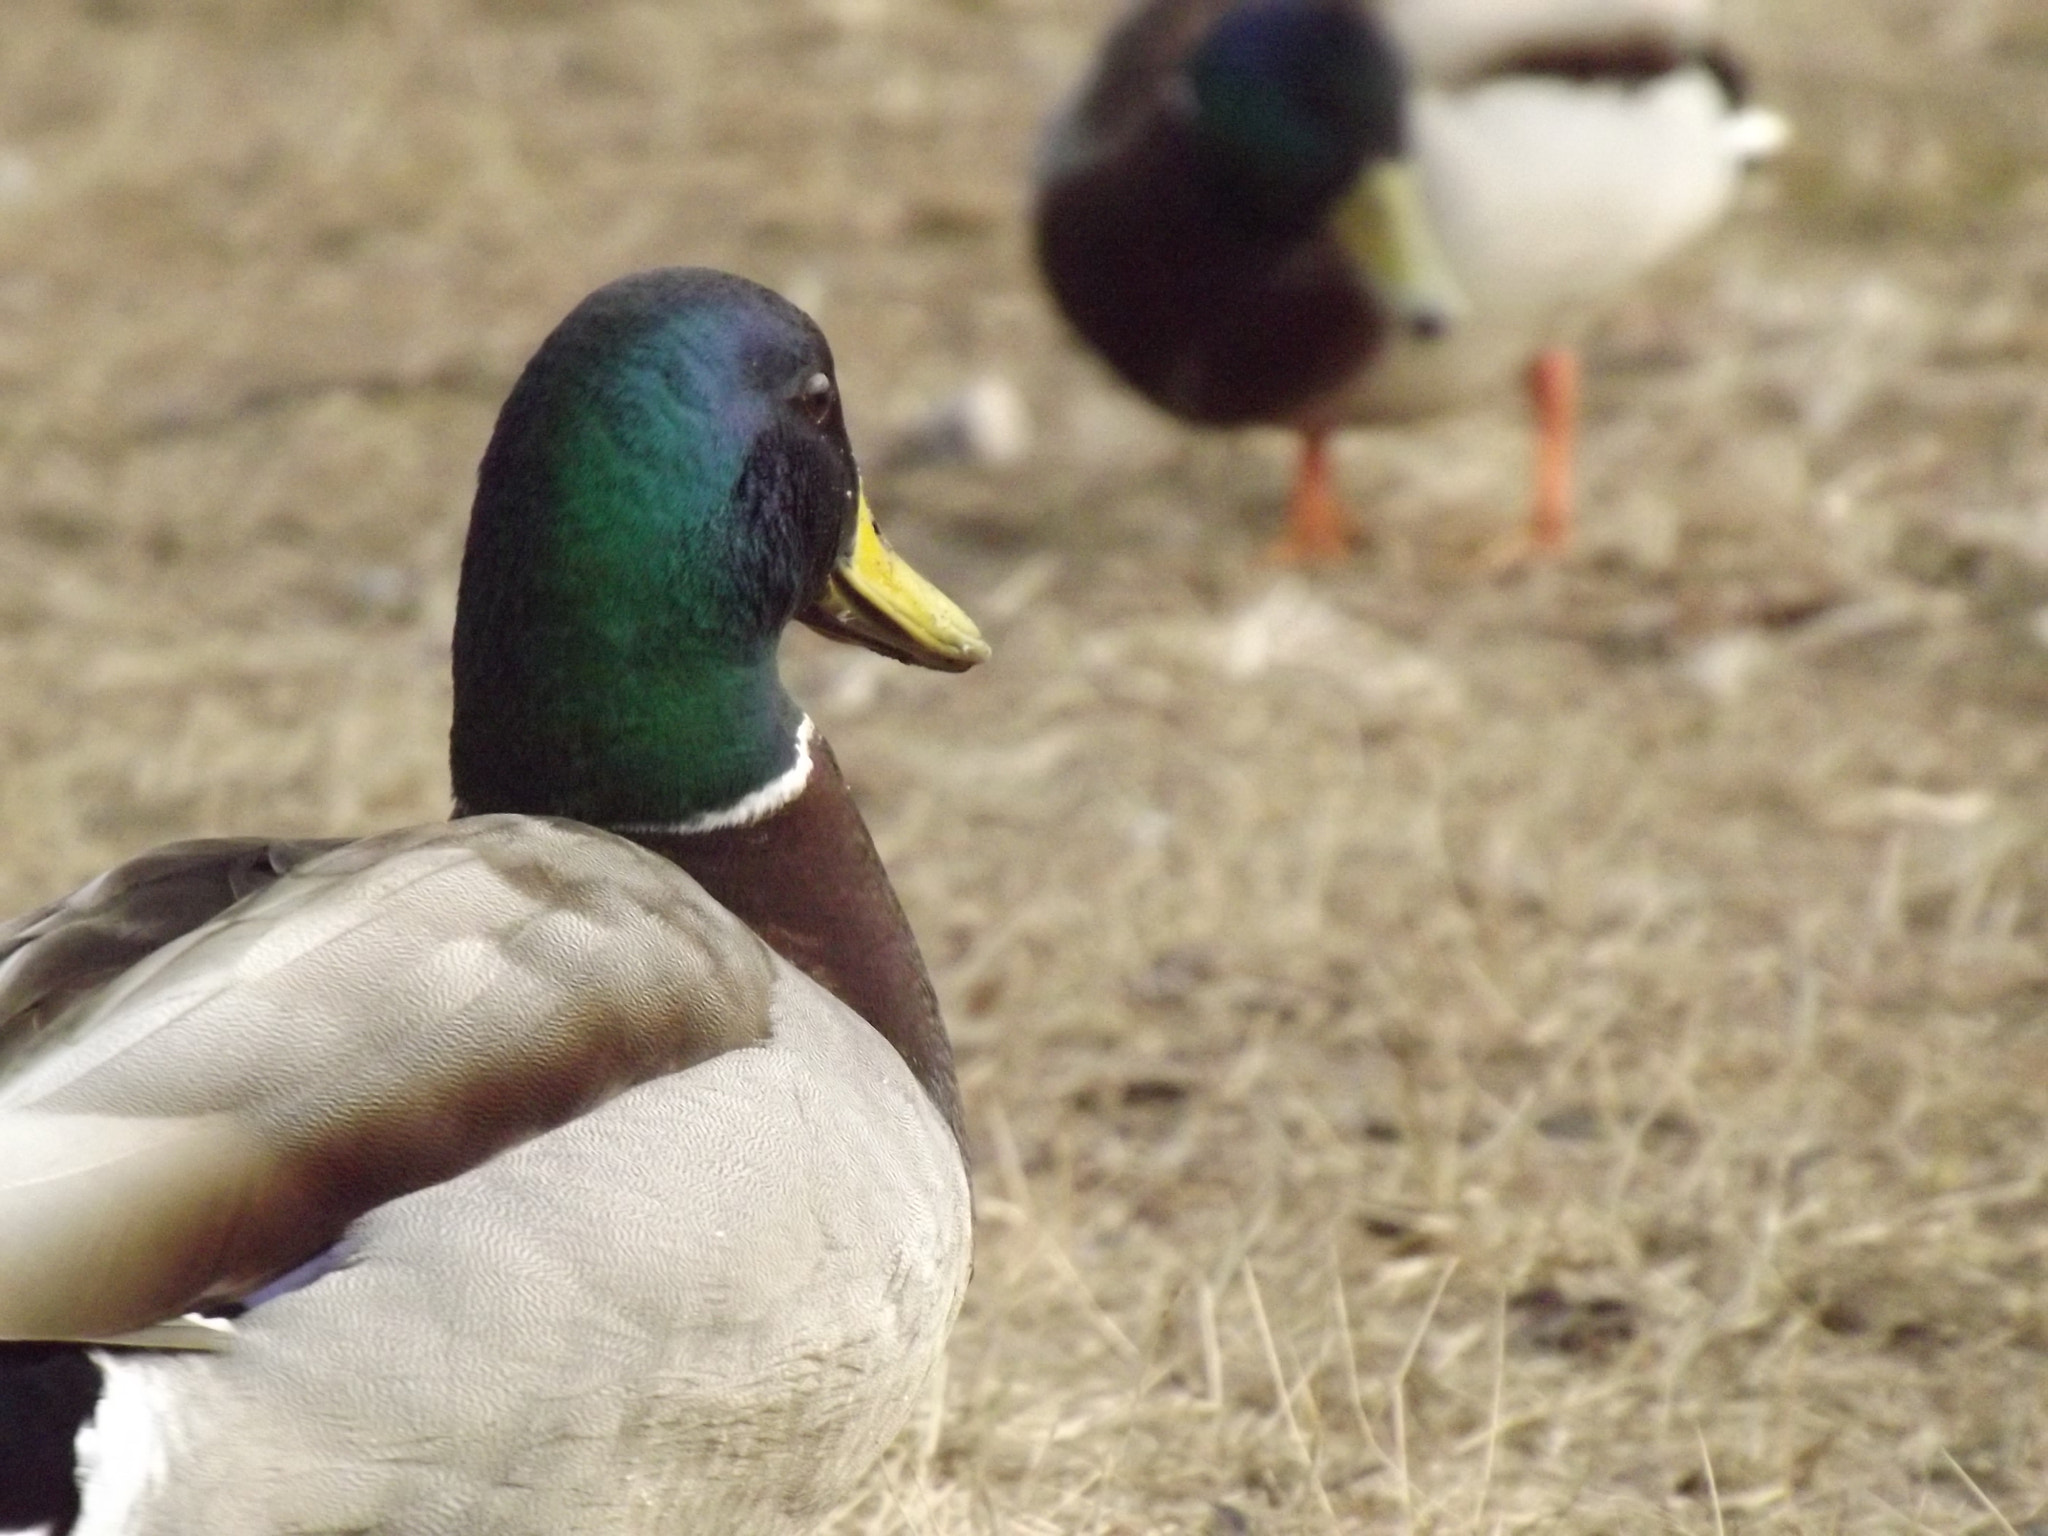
x=590 y=1162
x=1316 y=212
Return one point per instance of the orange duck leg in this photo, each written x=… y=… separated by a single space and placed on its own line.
x=1318 y=529
x=1554 y=393
x=1553 y=385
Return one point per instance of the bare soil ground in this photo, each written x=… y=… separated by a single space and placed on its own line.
x=1444 y=1054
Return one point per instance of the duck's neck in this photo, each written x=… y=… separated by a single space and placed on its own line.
x=727 y=779
x=622 y=733
x=807 y=879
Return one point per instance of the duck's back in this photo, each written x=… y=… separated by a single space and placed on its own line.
x=1451 y=40
x=676 y=1238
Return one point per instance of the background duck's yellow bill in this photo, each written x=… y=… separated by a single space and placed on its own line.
x=1384 y=226
x=874 y=598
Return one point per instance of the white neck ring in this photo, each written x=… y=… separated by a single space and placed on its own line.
x=748 y=809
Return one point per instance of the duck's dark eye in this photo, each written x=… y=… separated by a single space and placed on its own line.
x=815 y=397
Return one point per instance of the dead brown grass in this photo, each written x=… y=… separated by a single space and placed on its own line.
x=1443 y=1056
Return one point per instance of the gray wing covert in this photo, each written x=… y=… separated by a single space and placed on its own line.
x=374 y=1018
x=54 y=958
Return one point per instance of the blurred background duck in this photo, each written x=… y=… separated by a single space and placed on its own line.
x=590 y=1162
x=1311 y=213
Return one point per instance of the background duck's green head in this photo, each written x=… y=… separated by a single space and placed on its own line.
x=1292 y=98
x=669 y=484
x=1298 y=110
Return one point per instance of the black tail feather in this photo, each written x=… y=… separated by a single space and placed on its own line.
x=47 y=1391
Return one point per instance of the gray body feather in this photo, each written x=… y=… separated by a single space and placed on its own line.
x=645 y=1230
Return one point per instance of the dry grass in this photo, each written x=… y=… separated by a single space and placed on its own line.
x=1444 y=1056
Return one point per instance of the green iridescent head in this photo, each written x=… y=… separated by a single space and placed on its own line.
x=1298 y=114
x=668 y=486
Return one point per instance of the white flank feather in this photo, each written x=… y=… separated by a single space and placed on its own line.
x=121 y=1453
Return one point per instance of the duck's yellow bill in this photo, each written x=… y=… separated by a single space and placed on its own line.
x=1385 y=228
x=873 y=598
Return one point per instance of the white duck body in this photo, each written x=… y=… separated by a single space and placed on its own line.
x=704 y=1304
x=1550 y=193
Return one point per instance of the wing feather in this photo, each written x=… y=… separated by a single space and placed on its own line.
x=55 y=957
x=374 y=1018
